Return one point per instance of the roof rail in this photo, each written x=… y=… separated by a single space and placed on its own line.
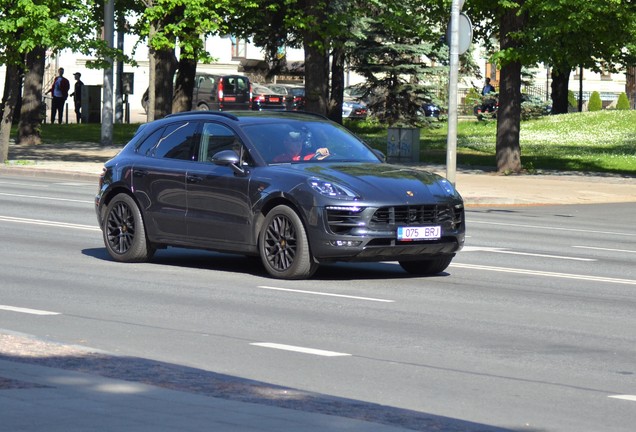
x=215 y=113
x=305 y=113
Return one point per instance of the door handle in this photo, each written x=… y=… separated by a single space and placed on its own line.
x=194 y=179
x=140 y=173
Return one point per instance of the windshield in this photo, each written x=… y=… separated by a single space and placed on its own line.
x=293 y=141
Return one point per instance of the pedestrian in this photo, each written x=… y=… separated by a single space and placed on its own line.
x=488 y=88
x=77 y=96
x=59 y=91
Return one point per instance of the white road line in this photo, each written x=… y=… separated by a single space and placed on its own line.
x=547 y=274
x=605 y=249
x=631 y=398
x=300 y=349
x=509 y=252
x=549 y=228
x=327 y=294
x=45 y=198
x=27 y=310
x=48 y=223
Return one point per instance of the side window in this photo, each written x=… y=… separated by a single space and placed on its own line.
x=177 y=141
x=150 y=142
x=215 y=138
x=206 y=84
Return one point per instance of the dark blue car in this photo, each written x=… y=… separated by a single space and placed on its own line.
x=295 y=189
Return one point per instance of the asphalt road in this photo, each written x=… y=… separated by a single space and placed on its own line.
x=533 y=327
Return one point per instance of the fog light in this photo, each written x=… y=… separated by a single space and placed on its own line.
x=345 y=243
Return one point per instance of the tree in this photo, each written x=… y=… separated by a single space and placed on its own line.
x=26 y=28
x=595 y=103
x=393 y=52
x=623 y=102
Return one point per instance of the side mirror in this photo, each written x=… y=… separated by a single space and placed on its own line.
x=228 y=158
x=380 y=155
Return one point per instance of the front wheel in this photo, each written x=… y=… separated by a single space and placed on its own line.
x=427 y=267
x=284 y=247
x=124 y=232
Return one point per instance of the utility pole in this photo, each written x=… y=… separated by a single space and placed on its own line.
x=451 y=141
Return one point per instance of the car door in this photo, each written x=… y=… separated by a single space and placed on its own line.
x=219 y=210
x=159 y=179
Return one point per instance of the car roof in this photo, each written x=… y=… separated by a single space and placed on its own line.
x=246 y=117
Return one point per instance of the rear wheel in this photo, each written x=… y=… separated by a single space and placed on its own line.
x=427 y=267
x=284 y=247
x=124 y=232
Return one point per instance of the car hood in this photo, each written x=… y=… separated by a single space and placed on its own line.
x=383 y=182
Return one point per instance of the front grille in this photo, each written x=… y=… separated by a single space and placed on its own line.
x=387 y=217
x=341 y=221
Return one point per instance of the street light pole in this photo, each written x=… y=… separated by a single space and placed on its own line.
x=451 y=142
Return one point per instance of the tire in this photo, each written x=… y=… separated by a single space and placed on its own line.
x=203 y=107
x=427 y=267
x=284 y=247
x=124 y=232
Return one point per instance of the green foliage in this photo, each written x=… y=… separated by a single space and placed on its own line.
x=572 y=101
x=623 y=102
x=595 y=103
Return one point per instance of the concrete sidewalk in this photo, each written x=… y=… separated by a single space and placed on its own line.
x=51 y=387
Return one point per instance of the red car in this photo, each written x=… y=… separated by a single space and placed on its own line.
x=264 y=98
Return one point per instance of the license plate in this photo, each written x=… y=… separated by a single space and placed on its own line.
x=274 y=99
x=419 y=233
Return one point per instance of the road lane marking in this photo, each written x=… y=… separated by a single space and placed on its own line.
x=509 y=252
x=48 y=223
x=27 y=310
x=327 y=294
x=303 y=350
x=605 y=249
x=631 y=398
x=551 y=228
x=547 y=274
x=45 y=198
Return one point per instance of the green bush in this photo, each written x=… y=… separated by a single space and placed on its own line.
x=595 y=103
x=623 y=102
x=572 y=101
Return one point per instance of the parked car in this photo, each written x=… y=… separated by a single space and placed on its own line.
x=354 y=110
x=264 y=98
x=295 y=95
x=208 y=180
x=431 y=110
x=217 y=93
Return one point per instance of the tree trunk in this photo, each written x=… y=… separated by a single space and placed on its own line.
x=560 y=80
x=337 y=85
x=165 y=66
x=316 y=62
x=508 y=149
x=10 y=101
x=184 y=85
x=31 y=112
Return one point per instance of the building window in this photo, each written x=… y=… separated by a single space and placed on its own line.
x=239 y=48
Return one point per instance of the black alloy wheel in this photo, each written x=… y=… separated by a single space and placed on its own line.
x=124 y=232
x=284 y=247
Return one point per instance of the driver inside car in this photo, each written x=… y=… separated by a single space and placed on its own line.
x=293 y=147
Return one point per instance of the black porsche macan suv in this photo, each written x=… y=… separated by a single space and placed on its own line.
x=293 y=188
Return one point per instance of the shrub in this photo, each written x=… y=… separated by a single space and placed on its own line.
x=623 y=102
x=595 y=103
x=572 y=101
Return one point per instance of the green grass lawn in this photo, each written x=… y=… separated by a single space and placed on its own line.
x=603 y=141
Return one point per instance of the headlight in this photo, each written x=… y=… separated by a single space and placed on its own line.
x=331 y=190
x=447 y=186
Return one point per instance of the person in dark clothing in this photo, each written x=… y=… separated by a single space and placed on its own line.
x=59 y=91
x=77 y=96
x=488 y=88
